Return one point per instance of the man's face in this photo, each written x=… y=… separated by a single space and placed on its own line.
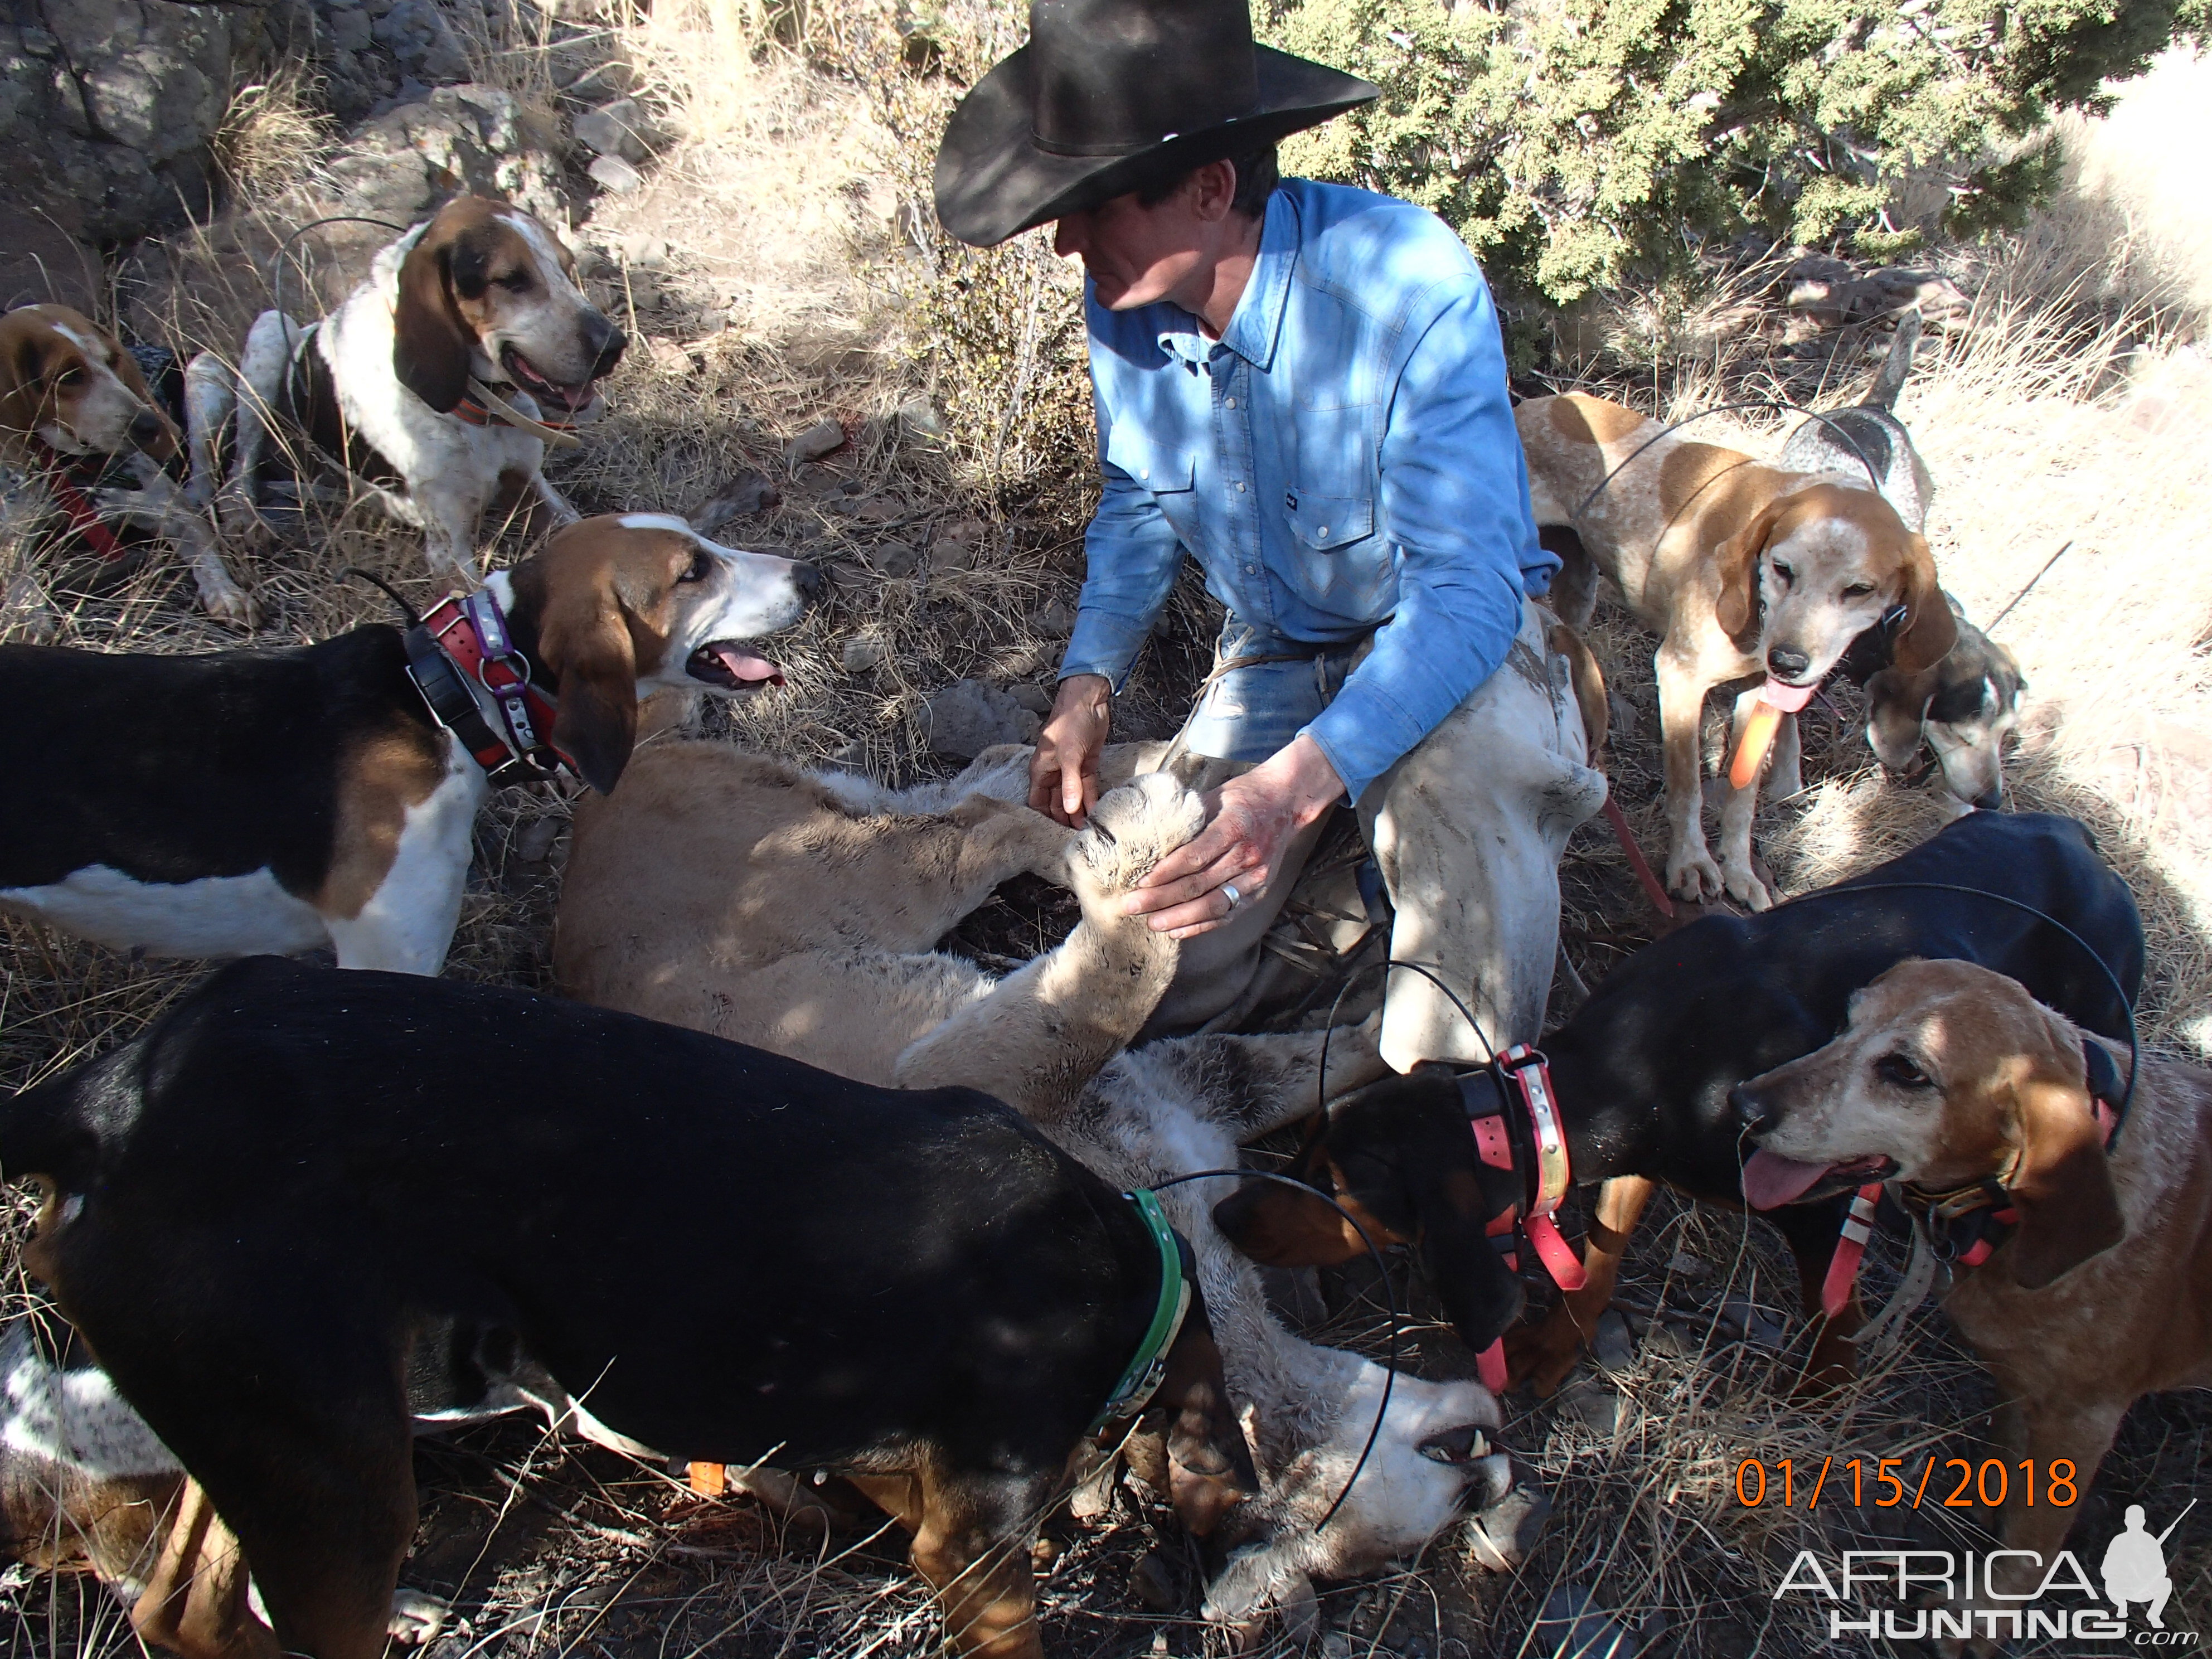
x=1135 y=254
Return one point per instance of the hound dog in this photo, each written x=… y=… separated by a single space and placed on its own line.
x=70 y=397
x=1963 y=706
x=1743 y=568
x=918 y=1291
x=2083 y=1276
x=437 y=384
x=326 y=794
x=738 y=894
x=1640 y=1077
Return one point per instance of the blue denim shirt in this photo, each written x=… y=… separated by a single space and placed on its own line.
x=1343 y=456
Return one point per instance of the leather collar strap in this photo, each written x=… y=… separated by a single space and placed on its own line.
x=1522 y=1076
x=464 y=661
x=1142 y=1376
x=483 y=405
x=1974 y=1220
x=84 y=518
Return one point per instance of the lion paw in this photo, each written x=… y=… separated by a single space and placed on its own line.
x=1131 y=830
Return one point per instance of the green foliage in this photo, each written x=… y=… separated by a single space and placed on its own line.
x=1575 y=142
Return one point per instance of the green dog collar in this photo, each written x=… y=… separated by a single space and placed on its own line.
x=1141 y=1378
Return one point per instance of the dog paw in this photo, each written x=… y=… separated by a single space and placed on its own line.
x=1693 y=875
x=1542 y=1356
x=1746 y=888
x=220 y=597
x=416 y=1617
x=1131 y=829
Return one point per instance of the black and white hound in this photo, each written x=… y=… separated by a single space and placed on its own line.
x=437 y=384
x=285 y=800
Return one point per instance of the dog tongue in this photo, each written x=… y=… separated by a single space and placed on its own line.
x=747 y=667
x=1770 y=1180
x=1787 y=698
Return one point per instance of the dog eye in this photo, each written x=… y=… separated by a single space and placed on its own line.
x=1783 y=572
x=515 y=282
x=69 y=376
x=1858 y=590
x=699 y=568
x=1901 y=1073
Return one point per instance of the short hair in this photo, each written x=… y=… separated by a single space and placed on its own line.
x=1256 y=179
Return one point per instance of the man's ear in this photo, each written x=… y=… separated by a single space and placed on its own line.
x=1930 y=629
x=2063 y=1187
x=594 y=663
x=1736 y=559
x=431 y=343
x=1897 y=713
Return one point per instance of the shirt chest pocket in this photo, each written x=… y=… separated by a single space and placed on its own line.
x=1330 y=503
x=1166 y=470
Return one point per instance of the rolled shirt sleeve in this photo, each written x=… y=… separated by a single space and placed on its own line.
x=1453 y=495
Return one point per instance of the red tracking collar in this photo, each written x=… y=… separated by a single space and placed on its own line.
x=84 y=518
x=464 y=645
x=1520 y=1077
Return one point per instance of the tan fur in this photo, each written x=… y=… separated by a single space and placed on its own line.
x=437 y=327
x=2104 y=1294
x=1697 y=538
x=736 y=894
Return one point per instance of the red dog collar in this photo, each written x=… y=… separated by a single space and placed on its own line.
x=84 y=518
x=1521 y=1074
x=468 y=639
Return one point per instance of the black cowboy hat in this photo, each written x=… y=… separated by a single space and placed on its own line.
x=1109 y=93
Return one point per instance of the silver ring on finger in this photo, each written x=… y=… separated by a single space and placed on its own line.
x=1228 y=891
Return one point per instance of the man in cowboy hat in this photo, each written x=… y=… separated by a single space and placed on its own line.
x=1303 y=387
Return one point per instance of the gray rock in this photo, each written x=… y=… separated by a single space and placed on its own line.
x=1054 y=619
x=1744 y=1320
x=969 y=716
x=895 y=559
x=615 y=176
x=1152 y=1581
x=957 y=545
x=1610 y=1344
x=1591 y=1402
x=536 y=839
x=616 y=128
x=400 y=164
x=1571 y=1627
x=862 y=653
x=1035 y=698
x=920 y=417
x=824 y=436
x=349 y=30
x=746 y=494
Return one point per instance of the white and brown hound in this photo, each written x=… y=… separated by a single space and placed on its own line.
x=436 y=384
x=281 y=801
x=70 y=397
x=1744 y=569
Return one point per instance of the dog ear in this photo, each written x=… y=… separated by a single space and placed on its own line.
x=1588 y=680
x=587 y=646
x=1897 y=713
x=1930 y=629
x=1736 y=559
x=1209 y=1466
x=24 y=393
x=1480 y=1295
x=2063 y=1187
x=431 y=343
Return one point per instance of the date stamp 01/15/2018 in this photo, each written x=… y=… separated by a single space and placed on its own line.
x=1888 y=1483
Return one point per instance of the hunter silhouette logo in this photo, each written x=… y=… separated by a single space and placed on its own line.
x=2134 y=1567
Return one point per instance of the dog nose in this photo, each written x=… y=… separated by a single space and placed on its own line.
x=1751 y=1112
x=807 y=578
x=608 y=348
x=1992 y=798
x=146 y=428
x=1788 y=662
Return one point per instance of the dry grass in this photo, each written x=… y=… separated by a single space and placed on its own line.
x=800 y=281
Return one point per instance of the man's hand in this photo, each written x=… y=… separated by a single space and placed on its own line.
x=1064 y=771
x=1255 y=817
